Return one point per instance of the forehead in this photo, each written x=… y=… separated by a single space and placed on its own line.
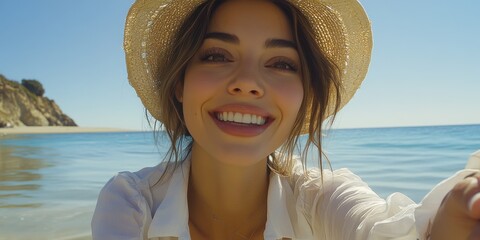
x=251 y=16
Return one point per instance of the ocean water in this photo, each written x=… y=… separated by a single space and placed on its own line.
x=49 y=183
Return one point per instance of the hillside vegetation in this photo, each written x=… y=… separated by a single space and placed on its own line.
x=23 y=104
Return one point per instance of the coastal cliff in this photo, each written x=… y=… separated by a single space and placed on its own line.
x=24 y=105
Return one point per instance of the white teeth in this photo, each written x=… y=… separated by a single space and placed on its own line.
x=241 y=118
x=247 y=118
x=237 y=118
x=254 y=118
x=260 y=121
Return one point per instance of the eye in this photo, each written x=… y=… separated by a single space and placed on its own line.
x=214 y=58
x=215 y=55
x=283 y=64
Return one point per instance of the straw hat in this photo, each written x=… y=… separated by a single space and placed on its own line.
x=342 y=30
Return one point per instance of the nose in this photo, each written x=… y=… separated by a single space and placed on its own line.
x=246 y=84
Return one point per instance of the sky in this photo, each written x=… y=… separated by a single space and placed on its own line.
x=425 y=67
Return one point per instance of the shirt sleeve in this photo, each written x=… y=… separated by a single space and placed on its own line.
x=344 y=207
x=121 y=211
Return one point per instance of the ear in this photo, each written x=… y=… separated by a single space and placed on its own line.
x=179 y=92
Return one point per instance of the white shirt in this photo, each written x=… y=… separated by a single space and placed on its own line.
x=131 y=206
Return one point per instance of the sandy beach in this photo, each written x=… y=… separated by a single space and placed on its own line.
x=57 y=129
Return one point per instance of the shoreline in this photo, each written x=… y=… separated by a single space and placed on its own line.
x=58 y=129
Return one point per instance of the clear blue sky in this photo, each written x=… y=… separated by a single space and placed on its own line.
x=425 y=66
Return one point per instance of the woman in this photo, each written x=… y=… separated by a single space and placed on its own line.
x=235 y=83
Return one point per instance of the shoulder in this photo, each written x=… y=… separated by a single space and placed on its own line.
x=309 y=186
x=130 y=185
x=317 y=188
x=316 y=179
x=125 y=200
x=138 y=179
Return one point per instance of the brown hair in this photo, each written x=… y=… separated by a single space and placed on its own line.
x=320 y=83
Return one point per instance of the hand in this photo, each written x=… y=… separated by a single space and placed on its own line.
x=458 y=217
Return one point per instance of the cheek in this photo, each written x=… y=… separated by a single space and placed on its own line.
x=291 y=97
x=193 y=95
x=199 y=82
x=198 y=87
x=191 y=83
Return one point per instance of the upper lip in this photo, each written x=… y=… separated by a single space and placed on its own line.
x=243 y=109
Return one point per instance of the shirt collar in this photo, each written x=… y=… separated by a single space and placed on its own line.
x=171 y=216
x=278 y=224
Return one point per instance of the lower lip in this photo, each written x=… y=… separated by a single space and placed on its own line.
x=240 y=130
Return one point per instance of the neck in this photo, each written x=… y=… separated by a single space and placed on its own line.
x=225 y=199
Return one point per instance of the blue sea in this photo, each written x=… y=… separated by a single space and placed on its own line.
x=49 y=183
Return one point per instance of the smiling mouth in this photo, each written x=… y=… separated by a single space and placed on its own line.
x=241 y=118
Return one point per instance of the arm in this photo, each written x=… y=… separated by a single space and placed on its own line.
x=346 y=208
x=349 y=209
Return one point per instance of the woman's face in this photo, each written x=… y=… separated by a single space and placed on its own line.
x=243 y=88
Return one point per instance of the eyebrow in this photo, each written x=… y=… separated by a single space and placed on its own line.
x=270 y=43
x=226 y=37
